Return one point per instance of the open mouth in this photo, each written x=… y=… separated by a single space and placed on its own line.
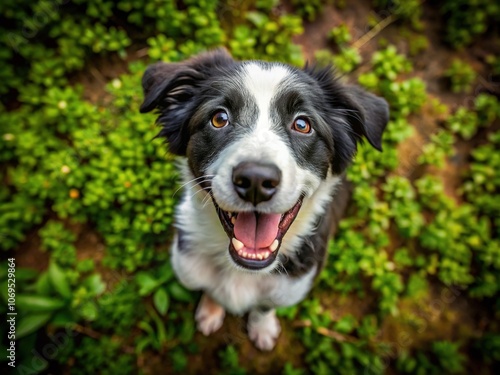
x=256 y=237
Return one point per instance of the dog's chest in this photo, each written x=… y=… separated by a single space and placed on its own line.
x=238 y=291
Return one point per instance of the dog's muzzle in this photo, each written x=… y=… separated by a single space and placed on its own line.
x=255 y=237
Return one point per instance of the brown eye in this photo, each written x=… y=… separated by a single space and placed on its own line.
x=220 y=119
x=301 y=125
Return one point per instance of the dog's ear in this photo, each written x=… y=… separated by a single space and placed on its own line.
x=373 y=115
x=173 y=88
x=365 y=115
x=362 y=114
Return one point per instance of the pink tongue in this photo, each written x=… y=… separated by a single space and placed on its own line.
x=256 y=231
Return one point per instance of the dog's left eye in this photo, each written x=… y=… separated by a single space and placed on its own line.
x=220 y=119
x=302 y=125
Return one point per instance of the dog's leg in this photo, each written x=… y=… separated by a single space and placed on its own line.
x=209 y=315
x=263 y=328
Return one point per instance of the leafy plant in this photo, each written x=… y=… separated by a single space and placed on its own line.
x=340 y=34
x=230 y=361
x=309 y=9
x=347 y=59
x=461 y=76
x=467 y=20
x=464 y=123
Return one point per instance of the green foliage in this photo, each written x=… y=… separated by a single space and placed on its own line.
x=389 y=64
x=343 y=355
x=466 y=20
x=489 y=348
x=59 y=241
x=405 y=97
x=290 y=370
x=71 y=165
x=442 y=357
x=417 y=44
x=267 y=38
x=487 y=108
x=482 y=181
x=309 y=9
x=340 y=34
x=403 y=207
x=494 y=62
x=406 y=10
x=347 y=59
x=463 y=122
x=438 y=149
x=461 y=76
x=103 y=356
x=230 y=362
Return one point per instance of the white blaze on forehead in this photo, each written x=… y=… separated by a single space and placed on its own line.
x=263 y=83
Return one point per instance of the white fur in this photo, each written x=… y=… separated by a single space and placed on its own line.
x=263 y=329
x=209 y=316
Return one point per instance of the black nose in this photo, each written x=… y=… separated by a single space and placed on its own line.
x=256 y=182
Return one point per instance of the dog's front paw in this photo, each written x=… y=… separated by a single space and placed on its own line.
x=263 y=329
x=209 y=315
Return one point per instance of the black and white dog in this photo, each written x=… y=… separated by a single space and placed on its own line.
x=264 y=146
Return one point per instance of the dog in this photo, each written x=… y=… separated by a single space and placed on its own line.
x=264 y=146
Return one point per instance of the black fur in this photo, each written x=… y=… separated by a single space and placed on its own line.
x=174 y=90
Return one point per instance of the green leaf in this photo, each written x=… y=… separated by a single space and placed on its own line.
x=34 y=303
x=59 y=281
x=258 y=19
x=94 y=284
x=62 y=318
x=161 y=301
x=31 y=323
x=23 y=274
x=147 y=283
x=142 y=344
x=166 y=272
x=89 y=311
x=43 y=284
x=179 y=293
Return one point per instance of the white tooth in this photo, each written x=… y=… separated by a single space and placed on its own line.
x=274 y=245
x=238 y=245
x=266 y=254
x=245 y=254
x=233 y=220
x=260 y=256
x=253 y=256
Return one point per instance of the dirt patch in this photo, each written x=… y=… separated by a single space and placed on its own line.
x=29 y=253
x=101 y=70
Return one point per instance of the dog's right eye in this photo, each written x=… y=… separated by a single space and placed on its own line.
x=220 y=119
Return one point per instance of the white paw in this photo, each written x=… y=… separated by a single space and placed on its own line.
x=264 y=330
x=209 y=316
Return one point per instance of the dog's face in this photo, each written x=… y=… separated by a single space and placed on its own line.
x=261 y=138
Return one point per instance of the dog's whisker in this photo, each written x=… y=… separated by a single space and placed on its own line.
x=205 y=190
x=204 y=178
x=206 y=200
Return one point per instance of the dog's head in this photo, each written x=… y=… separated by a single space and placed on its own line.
x=262 y=137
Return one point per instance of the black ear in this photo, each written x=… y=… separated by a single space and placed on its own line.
x=373 y=115
x=361 y=114
x=174 y=88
